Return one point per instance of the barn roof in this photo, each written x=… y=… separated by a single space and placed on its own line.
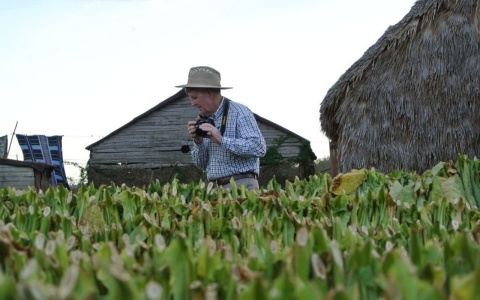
x=180 y=95
x=412 y=99
x=40 y=167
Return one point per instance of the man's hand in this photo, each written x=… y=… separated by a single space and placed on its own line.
x=191 y=132
x=213 y=133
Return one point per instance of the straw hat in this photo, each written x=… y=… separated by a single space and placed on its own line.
x=203 y=77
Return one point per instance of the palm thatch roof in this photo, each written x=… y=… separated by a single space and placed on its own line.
x=413 y=98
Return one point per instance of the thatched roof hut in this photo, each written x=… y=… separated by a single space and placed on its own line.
x=413 y=99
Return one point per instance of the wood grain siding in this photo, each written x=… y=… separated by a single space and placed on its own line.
x=152 y=141
x=288 y=149
x=155 y=138
x=20 y=178
x=22 y=174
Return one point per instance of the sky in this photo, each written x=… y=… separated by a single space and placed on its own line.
x=83 y=68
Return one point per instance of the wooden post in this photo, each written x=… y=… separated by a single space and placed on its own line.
x=13 y=134
x=334 y=159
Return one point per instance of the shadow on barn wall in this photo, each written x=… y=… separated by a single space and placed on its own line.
x=185 y=174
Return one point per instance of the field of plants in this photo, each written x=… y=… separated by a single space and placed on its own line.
x=359 y=235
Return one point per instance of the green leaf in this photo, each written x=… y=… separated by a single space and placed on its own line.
x=404 y=194
x=180 y=263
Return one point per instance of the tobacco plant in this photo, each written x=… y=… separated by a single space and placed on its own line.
x=359 y=235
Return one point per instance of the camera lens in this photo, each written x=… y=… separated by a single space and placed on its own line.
x=185 y=149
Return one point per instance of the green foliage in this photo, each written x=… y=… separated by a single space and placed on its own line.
x=83 y=176
x=305 y=156
x=272 y=156
x=391 y=236
x=322 y=164
x=84 y=173
x=176 y=173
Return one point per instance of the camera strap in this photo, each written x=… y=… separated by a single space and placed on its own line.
x=226 y=104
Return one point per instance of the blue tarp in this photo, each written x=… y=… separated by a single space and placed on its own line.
x=45 y=149
x=3 y=146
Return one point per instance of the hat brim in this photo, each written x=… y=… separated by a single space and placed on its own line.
x=202 y=86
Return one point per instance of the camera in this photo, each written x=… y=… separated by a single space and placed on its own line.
x=203 y=119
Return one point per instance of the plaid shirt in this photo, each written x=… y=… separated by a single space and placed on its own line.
x=242 y=144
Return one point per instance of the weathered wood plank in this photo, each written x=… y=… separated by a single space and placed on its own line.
x=16 y=177
x=146 y=147
x=135 y=157
x=146 y=142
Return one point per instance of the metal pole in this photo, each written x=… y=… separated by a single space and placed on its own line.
x=13 y=134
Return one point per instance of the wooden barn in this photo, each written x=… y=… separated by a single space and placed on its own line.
x=156 y=145
x=24 y=174
x=413 y=99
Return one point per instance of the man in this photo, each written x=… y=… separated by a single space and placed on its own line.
x=228 y=142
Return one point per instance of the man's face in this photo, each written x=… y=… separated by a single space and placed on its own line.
x=203 y=101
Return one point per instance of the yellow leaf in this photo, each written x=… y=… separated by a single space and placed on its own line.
x=348 y=183
x=93 y=218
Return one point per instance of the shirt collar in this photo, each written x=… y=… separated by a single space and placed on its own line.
x=219 y=111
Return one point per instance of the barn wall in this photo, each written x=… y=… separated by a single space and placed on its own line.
x=185 y=174
x=288 y=149
x=18 y=177
x=139 y=177
x=21 y=174
x=153 y=141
